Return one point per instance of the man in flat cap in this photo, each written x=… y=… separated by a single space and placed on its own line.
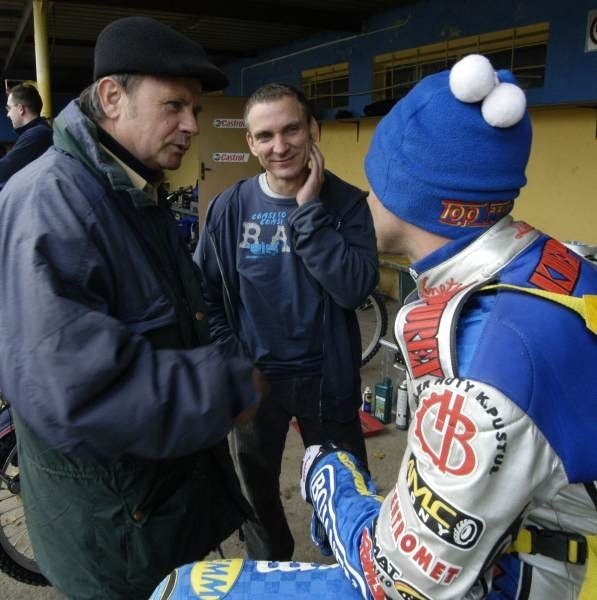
x=121 y=405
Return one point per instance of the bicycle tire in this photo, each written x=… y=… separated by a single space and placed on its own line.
x=16 y=555
x=373 y=323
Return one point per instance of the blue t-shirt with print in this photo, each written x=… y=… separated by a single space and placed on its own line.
x=281 y=308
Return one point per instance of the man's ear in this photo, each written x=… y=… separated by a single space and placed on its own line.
x=314 y=129
x=112 y=97
x=249 y=138
x=21 y=109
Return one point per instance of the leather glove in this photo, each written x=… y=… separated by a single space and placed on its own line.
x=312 y=456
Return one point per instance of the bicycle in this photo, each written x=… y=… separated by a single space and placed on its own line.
x=182 y=202
x=373 y=323
x=16 y=553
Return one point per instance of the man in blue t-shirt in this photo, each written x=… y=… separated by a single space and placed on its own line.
x=286 y=258
x=23 y=107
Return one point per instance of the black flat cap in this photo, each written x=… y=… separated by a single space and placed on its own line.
x=145 y=46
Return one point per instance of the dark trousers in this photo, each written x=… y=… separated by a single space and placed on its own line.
x=257 y=449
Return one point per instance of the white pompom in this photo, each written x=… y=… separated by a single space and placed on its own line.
x=504 y=106
x=472 y=78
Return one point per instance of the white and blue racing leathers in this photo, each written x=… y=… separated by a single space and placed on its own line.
x=495 y=496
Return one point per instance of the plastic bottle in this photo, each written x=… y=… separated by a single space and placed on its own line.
x=367 y=400
x=383 y=400
x=402 y=406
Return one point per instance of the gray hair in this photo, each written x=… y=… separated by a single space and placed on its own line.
x=89 y=99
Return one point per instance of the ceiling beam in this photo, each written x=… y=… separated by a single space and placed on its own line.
x=71 y=80
x=90 y=45
x=311 y=18
x=9 y=12
x=19 y=35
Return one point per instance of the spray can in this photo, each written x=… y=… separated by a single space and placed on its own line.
x=367 y=400
x=402 y=406
x=383 y=400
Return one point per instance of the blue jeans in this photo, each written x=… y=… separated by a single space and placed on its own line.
x=257 y=450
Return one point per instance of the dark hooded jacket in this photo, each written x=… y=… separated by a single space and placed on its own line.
x=122 y=410
x=32 y=141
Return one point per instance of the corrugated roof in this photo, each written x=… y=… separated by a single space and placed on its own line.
x=228 y=30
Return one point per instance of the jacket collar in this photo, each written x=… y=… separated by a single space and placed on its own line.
x=77 y=135
x=31 y=124
x=126 y=157
x=481 y=260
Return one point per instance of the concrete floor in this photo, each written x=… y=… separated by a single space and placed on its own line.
x=384 y=451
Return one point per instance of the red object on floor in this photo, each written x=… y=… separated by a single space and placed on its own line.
x=369 y=424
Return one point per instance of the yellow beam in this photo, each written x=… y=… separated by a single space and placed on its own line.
x=42 y=54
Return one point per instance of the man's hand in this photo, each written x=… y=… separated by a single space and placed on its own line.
x=312 y=186
x=246 y=415
x=260 y=383
x=262 y=388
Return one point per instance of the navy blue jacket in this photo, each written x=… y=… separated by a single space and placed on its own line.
x=34 y=139
x=84 y=313
x=121 y=407
x=333 y=240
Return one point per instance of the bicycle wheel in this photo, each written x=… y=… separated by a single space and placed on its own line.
x=373 y=323
x=16 y=554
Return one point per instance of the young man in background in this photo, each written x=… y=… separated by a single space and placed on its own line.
x=286 y=258
x=23 y=108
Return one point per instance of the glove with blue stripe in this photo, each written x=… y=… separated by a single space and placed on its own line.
x=312 y=456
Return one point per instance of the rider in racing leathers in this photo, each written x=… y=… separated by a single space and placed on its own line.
x=496 y=495
x=500 y=349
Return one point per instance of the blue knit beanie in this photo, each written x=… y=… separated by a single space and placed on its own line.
x=450 y=156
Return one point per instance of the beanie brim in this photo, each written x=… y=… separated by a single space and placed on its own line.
x=436 y=163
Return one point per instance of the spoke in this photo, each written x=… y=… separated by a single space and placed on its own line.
x=10 y=503
x=22 y=543
x=14 y=515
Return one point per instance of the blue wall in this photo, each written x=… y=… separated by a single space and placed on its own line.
x=7 y=133
x=570 y=77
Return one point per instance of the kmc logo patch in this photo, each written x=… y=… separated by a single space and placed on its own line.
x=439 y=516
